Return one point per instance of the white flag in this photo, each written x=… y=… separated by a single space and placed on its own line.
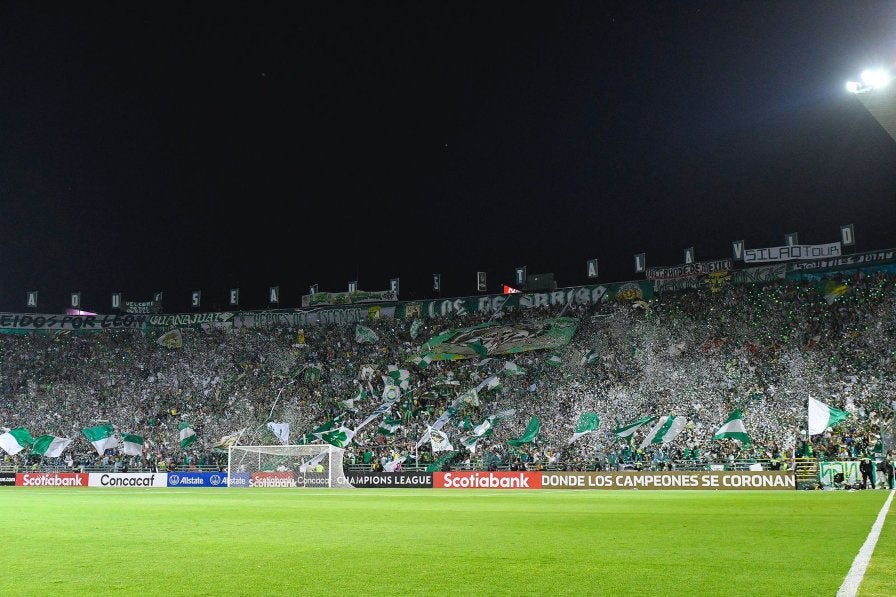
x=280 y=431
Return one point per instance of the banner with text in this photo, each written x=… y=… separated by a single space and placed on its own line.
x=20 y=321
x=689 y=270
x=787 y=253
x=766 y=480
x=389 y=480
x=188 y=320
x=51 y=479
x=860 y=260
x=191 y=479
x=128 y=479
x=577 y=295
x=486 y=480
x=320 y=299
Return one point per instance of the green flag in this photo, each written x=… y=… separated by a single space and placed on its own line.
x=365 y=335
x=588 y=422
x=531 y=431
x=132 y=445
x=629 y=428
x=50 y=445
x=15 y=440
x=733 y=428
x=415 y=328
x=102 y=437
x=186 y=434
x=822 y=416
x=389 y=426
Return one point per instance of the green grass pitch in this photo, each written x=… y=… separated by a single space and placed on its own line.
x=438 y=542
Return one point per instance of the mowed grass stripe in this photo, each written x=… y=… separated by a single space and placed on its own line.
x=880 y=577
x=405 y=542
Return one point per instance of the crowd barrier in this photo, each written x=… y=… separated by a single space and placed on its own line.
x=678 y=480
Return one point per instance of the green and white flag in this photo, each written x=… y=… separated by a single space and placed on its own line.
x=489 y=383
x=588 y=422
x=313 y=372
x=629 y=428
x=590 y=357
x=280 y=431
x=379 y=411
x=365 y=335
x=391 y=392
x=415 y=328
x=389 y=426
x=187 y=435
x=400 y=377
x=361 y=395
x=320 y=429
x=132 y=445
x=439 y=441
x=424 y=360
x=734 y=428
x=15 y=440
x=471 y=397
x=50 y=445
x=528 y=435
x=511 y=368
x=822 y=416
x=665 y=430
x=555 y=360
x=102 y=437
x=340 y=437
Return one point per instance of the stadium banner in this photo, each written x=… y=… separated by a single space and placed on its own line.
x=486 y=480
x=849 y=468
x=27 y=321
x=390 y=480
x=320 y=299
x=51 y=479
x=786 y=253
x=191 y=479
x=7 y=479
x=715 y=281
x=735 y=480
x=689 y=270
x=496 y=338
x=141 y=307
x=128 y=480
x=190 y=320
x=326 y=316
x=577 y=295
x=846 y=261
x=288 y=479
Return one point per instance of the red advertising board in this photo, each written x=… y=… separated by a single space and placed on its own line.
x=52 y=479
x=486 y=480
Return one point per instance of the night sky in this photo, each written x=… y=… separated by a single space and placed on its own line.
x=179 y=146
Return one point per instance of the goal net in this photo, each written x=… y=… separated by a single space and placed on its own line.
x=286 y=466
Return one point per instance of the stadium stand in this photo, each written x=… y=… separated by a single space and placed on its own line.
x=700 y=354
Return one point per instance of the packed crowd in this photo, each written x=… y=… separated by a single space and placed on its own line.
x=762 y=349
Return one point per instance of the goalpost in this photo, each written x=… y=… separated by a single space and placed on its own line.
x=312 y=466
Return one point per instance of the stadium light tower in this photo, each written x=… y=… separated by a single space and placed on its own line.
x=878 y=95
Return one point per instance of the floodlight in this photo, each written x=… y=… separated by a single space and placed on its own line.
x=853 y=86
x=875 y=78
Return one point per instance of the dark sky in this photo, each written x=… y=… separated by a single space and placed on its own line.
x=181 y=146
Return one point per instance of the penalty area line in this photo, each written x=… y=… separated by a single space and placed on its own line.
x=856 y=573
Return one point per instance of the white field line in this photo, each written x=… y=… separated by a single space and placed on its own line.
x=856 y=573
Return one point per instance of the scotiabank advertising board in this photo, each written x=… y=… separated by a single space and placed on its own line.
x=670 y=480
x=128 y=479
x=288 y=480
x=486 y=480
x=51 y=479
